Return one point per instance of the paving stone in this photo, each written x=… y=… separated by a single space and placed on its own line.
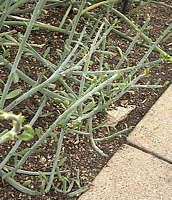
x=154 y=131
x=132 y=174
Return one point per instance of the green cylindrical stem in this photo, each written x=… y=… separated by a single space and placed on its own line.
x=41 y=26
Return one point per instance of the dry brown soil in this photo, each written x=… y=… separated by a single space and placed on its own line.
x=81 y=156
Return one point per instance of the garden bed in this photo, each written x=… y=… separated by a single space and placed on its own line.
x=78 y=158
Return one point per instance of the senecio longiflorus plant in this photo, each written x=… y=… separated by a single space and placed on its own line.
x=17 y=127
x=98 y=86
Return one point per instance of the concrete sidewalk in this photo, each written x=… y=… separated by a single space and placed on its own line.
x=132 y=174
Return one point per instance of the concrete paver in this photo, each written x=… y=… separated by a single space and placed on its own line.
x=132 y=174
x=154 y=132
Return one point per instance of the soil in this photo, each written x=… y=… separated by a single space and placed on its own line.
x=80 y=155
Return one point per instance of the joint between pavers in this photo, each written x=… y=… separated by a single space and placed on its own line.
x=148 y=151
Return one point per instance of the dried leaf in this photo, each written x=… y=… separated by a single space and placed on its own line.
x=120 y=113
